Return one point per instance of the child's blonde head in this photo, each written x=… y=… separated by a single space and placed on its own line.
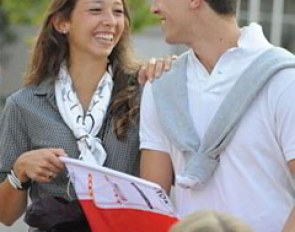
x=210 y=221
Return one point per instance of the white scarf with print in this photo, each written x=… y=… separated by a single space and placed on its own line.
x=85 y=127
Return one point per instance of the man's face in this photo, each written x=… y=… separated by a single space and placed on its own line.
x=174 y=18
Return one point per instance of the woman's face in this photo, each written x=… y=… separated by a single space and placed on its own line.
x=95 y=27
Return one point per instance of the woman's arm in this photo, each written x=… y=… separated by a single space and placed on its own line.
x=12 y=203
x=37 y=165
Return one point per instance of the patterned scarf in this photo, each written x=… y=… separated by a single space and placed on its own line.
x=85 y=126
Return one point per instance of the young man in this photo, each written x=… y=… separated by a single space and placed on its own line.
x=221 y=125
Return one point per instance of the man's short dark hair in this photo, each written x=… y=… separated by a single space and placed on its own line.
x=223 y=7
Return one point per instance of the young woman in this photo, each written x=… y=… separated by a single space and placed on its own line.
x=81 y=99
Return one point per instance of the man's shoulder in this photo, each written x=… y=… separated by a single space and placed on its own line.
x=177 y=70
x=276 y=56
x=179 y=63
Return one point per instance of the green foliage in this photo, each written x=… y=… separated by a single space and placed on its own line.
x=31 y=12
x=141 y=15
x=25 y=11
x=6 y=35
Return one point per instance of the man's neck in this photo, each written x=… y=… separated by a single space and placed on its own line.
x=215 y=41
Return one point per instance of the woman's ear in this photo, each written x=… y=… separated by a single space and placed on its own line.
x=60 y=24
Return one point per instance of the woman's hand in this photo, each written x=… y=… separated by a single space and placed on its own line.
x=154 y=68
x=39 y=165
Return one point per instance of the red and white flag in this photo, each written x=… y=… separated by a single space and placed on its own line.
x=117 y=202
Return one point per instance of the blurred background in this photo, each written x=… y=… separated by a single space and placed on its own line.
x=19 y=23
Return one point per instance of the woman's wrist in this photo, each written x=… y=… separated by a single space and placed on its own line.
x=19 y=170
x=17 y=183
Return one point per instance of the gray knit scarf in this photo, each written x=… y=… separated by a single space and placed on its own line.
x=171 y=99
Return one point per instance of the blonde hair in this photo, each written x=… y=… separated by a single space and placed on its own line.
x=210 y=221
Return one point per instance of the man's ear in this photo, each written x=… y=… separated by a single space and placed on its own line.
x=195 y=3
x=60 y=24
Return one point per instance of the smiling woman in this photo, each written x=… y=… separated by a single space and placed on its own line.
x=81 y=98
x=94 y=28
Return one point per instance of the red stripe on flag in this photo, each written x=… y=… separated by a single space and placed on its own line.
x=125 y=220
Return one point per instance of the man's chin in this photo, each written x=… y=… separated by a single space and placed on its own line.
x=171 y=40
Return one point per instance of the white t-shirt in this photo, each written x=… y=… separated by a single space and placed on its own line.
x=253 y=181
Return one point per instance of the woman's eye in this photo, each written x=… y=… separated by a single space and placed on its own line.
x=95 y=10
x=119 y=11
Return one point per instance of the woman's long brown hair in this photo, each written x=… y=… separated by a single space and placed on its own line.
x=51 y=49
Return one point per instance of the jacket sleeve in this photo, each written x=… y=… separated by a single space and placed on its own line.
x=13 y=137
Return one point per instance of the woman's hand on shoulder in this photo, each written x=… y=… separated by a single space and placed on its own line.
x=40 y=165
x=154 y=68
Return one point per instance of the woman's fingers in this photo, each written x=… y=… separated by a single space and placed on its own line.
x=151 y=69
x=154 y=68
x=159 y=68
x=142 y=77
x=168 y=62
x=40 y=165
x=56 y=164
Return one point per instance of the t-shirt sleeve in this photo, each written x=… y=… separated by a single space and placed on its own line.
x=13 y=137
x=285 y=117
x=152 y=136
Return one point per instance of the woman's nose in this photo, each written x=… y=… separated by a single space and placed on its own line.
x=109 y=19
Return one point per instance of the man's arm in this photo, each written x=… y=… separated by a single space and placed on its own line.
x=290 y=223
x=284 y=124
x=156 y=166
